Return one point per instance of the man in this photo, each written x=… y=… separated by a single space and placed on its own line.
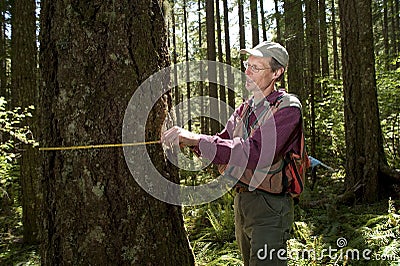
x=262 y=219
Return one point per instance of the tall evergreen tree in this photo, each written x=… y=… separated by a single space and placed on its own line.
x=365 y=159
x=24 y=93
x=94 y=55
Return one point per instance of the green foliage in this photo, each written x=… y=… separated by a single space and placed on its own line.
x=388 y=83
x=212 y=232
x=329 y=123
x=12 y=134
x=320 y=229
x=12 y=249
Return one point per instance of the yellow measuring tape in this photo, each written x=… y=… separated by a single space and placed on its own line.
x=100 y=146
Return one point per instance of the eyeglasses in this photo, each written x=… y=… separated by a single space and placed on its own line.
x=253 y=68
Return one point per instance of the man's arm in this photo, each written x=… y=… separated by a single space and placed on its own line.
x=268 y=142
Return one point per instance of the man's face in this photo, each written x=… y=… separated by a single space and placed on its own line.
x=261 y=79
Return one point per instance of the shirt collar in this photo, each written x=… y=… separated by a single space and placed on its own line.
x=268 y=100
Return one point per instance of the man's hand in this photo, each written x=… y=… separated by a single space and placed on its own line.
x=179 y=136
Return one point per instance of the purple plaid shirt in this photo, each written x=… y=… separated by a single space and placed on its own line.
x=272 y=140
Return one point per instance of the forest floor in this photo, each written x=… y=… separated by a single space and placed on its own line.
x=327 y=226
x=13 y=251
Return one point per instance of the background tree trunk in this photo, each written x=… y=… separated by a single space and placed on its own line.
x=203 y=89
x=175 y=61
x=3 y=50
x=335 y=48
x=221 y=69
x=313 y=65
x=231 y=93
x=242 y=40
x=263 y=24
x=278 y=33
x=294 y=35
x=24 y=89
x=212 y=56
x=255 y=34
x=323 y=32
x=385 y=31
x=188 y=89
x=94 y=55
x=364 y=148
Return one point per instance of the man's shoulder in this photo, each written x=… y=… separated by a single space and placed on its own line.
x=288 y=100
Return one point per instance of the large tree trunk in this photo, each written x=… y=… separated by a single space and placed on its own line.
x=25 y=93
x=364 y=146
x=94 y=55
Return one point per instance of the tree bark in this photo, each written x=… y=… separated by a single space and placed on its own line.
x=24 y=90
x=263 y=24
x=294 y=35
x=364 y=145
x=231 y=93
x=255 y=33
x=212 y=74
x=94 y=55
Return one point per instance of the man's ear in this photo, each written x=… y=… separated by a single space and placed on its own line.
x=278 y=72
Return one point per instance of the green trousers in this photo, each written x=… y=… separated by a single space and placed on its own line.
x=262 y=226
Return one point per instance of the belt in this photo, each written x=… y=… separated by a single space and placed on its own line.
x=241 y=189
